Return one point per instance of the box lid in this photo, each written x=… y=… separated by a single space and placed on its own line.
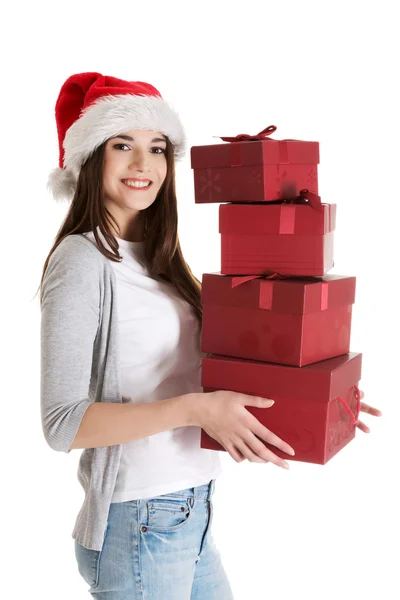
x=320 y=382
x=288 y=295
x=276 y=218
x=257 y=152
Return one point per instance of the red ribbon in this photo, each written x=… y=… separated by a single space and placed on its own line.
x=239 y=280
x=354 y=418
x=287 y=219
x=324 y=296
x=266 y=302
x=245 y=137
x=263 y=136
x=267 y=298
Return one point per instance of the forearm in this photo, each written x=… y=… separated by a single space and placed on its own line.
x=109 y=424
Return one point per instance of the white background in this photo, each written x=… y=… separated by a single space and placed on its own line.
x=322 y=71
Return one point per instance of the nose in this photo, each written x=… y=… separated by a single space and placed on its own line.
x=140 y=160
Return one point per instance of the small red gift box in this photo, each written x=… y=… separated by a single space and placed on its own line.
x=254 y=169
x=288 y=238
x=288 y=321
x=316 y=407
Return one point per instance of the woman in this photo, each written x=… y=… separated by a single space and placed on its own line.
x=120 y=353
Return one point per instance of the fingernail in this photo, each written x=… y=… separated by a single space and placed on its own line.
x=292 y=452
x=285 y=465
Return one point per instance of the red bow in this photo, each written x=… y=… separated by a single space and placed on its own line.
x=313 y=199
x=245 y=137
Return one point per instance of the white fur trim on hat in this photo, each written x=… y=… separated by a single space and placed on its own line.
x=112 y=115
x=62 y=184
x=107 y=117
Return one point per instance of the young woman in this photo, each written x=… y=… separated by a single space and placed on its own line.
x=120 y=353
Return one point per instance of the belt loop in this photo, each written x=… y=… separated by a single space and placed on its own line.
x=211 y=489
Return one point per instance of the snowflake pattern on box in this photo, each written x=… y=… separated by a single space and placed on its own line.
x=312 y=176
x=209 y=183
x=337 y=436
x=235 y=193
x=255 y=177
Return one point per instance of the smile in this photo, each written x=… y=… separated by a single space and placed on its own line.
x=137 y=184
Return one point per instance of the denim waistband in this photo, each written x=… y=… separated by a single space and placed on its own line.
x=204 y=491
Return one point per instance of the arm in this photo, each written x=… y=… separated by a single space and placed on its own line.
x=70 y=311
x=108 y=424
x=70 y=316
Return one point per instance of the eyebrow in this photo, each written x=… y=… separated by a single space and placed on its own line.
x=128 y=138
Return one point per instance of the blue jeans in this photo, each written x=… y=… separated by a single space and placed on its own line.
x=158 y=549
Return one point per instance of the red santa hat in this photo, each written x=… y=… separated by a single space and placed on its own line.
x=91 y=108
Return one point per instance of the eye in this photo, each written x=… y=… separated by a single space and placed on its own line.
x=161 y=150
x=119 y=146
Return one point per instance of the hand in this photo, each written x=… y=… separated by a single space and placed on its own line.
x=367 y=409
x=223 y=415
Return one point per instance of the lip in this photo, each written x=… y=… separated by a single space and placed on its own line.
x=138 y=179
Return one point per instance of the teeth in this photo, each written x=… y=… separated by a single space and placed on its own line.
x=137 y=184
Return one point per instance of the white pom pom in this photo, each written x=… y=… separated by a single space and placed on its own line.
x=62 y=184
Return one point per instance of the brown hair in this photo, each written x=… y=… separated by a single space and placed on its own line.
x=162 y=251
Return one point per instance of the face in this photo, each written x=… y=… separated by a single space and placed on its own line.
x=135 y=167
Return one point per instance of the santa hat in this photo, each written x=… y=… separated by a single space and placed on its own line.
x=91 y=108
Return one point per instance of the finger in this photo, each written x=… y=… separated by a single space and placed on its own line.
x=258 y=450
x=363 y=427
x=236 y=455
x=268 y=436
x=257 y=401
x=243 y=449
x=361 y=394
x=366 y=408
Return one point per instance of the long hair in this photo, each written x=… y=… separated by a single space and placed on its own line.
x=162 y=251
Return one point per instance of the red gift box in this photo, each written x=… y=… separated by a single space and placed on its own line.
x=316 y=407
x=287 y=238
x=257 y=169
x=288 y=321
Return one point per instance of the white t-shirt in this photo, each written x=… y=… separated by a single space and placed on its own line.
x=160 y=358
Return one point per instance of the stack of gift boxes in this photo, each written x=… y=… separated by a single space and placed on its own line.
x=275 y=324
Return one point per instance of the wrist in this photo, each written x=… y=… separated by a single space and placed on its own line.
x=191 y=408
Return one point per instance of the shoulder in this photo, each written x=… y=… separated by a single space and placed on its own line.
x=76 y=245
x=73 y=282
x=79 y=252
x=77 y=261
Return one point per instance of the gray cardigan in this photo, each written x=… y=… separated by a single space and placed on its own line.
x=79 y=365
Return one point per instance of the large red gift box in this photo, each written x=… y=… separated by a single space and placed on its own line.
x=316 y=407
x=288 y=238
x=287 y=321
x=255 y=170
